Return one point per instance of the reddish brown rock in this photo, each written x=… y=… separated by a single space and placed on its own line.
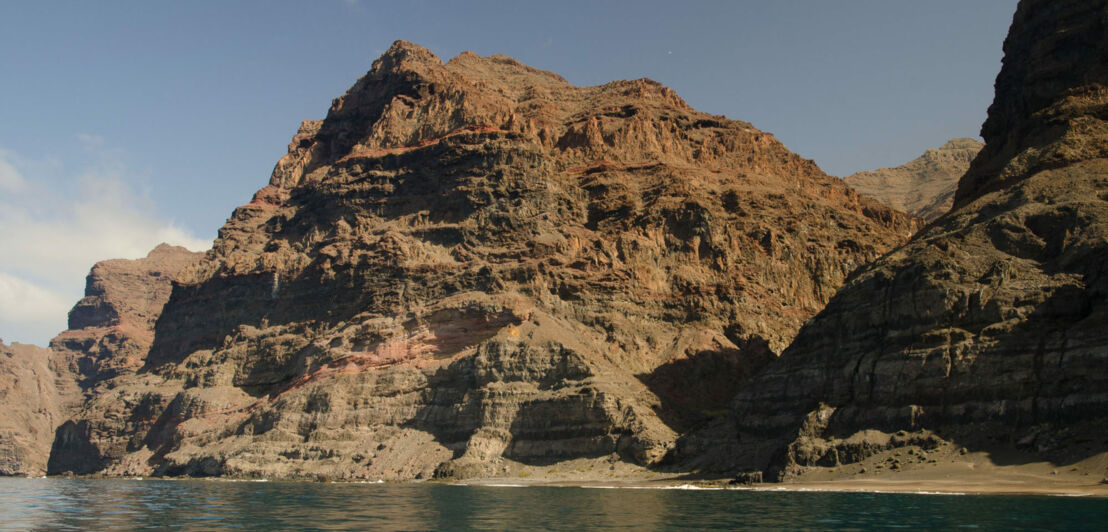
x=36 y=393
x=112 y=328
x=924 y=186
x=110 y=333
x=475 y=266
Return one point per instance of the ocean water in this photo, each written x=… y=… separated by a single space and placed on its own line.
x=89 y=504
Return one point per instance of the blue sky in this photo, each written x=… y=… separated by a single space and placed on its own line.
x=125 y=123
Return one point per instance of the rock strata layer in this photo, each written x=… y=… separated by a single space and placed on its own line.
x=988 y=327
x=110 y=333
x=111 y=329
x=472 y=266
x=924 y=186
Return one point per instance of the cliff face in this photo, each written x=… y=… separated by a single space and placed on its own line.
x=111 y=329
x=35 y=391
x=924 y=186
x=110 y=333
x=989 y=325
x=473 y=266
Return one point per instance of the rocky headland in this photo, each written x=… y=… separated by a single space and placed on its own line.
x=924 y=186
x=37 y=392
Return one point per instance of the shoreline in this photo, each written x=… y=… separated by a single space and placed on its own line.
x=917 y=487
x=971 y=474
x=952 y=487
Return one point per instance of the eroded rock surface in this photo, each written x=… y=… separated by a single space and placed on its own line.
x=924 y=186
x=990 y=323
x=35 y=391
x=110 y=333
x=111 y=329
x=474 y=265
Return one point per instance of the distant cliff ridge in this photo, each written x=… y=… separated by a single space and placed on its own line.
x=923 y=187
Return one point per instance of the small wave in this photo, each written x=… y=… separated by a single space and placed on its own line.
x=692 y=487
x=661 y=487
x=845 y=490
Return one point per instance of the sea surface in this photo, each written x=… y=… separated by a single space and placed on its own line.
x=91 y=504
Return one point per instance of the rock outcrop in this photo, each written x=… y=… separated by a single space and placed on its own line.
x=36 y=392
x=989 y=325
x=472 y=266
x=110 y=333
x=924 y=186
x=111 y=329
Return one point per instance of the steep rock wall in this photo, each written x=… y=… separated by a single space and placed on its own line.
x=473 y=265
x=989 y=323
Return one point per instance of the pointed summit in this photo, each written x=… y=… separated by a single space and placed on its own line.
x=403 y=55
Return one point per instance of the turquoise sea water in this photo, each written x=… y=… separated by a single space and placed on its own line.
x=86 y=504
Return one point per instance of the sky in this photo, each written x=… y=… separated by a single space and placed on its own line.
x=128 y=123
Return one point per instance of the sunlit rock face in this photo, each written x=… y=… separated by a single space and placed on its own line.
x=924 y=186
x=36 y=389
x=472 y=265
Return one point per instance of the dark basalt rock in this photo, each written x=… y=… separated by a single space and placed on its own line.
x=990 y=322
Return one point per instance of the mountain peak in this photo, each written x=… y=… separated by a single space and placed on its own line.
x=402 y=52
x=962 y=143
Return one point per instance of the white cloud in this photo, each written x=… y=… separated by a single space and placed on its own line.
x=10 y=178
x=52 y=230
x=30 y=312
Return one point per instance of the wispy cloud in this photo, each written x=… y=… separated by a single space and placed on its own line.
x=54 y=228
x=11 y=180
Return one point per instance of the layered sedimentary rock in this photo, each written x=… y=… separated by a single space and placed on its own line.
x=110 y=333
x=472 y=265
x=35 y=391
x=924 y=186
x=111 y=329
x=990 y=324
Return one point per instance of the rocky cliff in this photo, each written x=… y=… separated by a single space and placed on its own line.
x=111 y=329
x=473 y=267
x=924 y=186
x=36 y=392
x=110 y=333
x=988 y=327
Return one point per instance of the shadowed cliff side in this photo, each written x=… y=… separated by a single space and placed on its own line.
x=988 y=327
